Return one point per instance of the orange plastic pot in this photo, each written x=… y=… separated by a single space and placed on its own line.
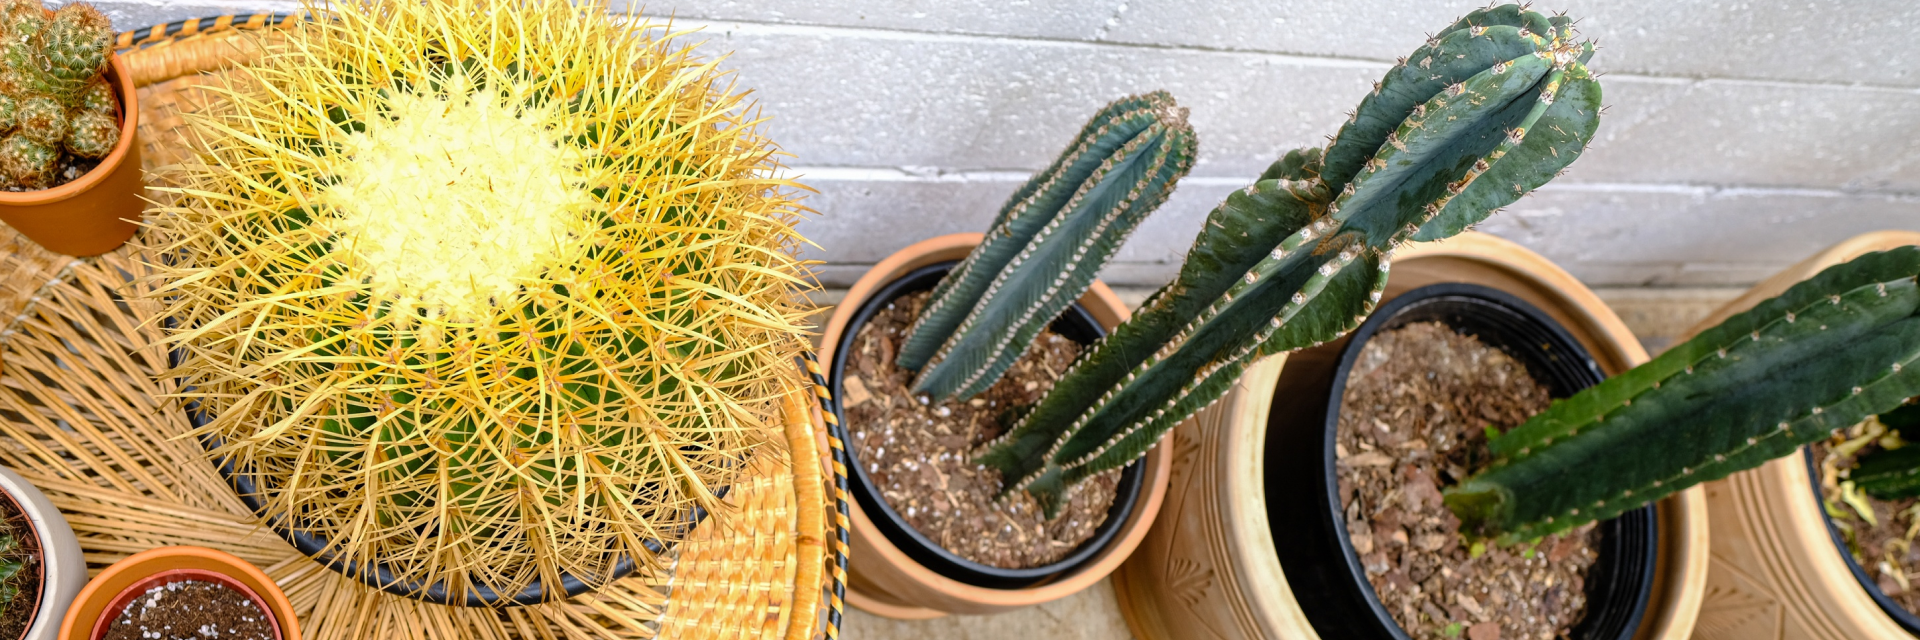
x=97 y=212
x=129 y=577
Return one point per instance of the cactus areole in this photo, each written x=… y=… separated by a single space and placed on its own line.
x=1487 y=110
x=482 y=303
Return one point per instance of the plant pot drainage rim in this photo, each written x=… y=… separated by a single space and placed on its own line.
x=1336 y=596
x=1075 y=324
x=1906 y=619
x=120 y=601
x=377 y=574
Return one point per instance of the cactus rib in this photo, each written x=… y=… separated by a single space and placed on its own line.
x=1824 y=355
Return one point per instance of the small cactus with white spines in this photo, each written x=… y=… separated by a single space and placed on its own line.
x=1047 y=244
x=1487 y=110
x=1826 y=354
x=54 y=97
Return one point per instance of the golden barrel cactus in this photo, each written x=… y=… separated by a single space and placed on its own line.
x=484 y=293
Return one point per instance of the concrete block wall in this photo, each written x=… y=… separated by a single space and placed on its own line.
x=1742 y=135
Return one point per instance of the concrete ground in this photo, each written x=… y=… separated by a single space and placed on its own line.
x=1656 y=315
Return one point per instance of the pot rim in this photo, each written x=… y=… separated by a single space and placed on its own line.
x=1640 y=525
x=118 y=604
x=883 y=580
x=122 y=79
x=272 y=599
x=916 y=544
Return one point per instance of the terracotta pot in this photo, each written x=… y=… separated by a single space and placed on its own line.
x=1208 y=568
x=110 y=591
x=98 y=211
x=62 y=569
x=1776 y=572
x=882 y=579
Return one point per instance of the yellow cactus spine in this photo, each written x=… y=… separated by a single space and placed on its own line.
x=484 y=292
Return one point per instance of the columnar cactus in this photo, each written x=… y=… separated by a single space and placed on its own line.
x=1824 y=355
x=1487 y=110
x=54 y=96
x=1047 y=244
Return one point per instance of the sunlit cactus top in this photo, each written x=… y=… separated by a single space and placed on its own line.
x=54 y=96
x=484 y=291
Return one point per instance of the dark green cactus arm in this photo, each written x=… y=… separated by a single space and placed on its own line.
x=1443 y=147
x=1447 y=60
x=1237 y=235
x=1061 y=260
x=1570 y=116
x=1327 y=306
x=1035 y=205
x=1824 y=355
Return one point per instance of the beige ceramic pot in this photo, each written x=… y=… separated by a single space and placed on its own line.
x=1208 y=569
x=1776 y=572
x=882 y=579
x=96 y=212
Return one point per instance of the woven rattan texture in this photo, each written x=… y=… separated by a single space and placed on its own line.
x=85 y=416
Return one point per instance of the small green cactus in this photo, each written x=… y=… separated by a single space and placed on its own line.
x=1489 y=109
x=1824 y=355
x=53 y=94
x=1047 y=244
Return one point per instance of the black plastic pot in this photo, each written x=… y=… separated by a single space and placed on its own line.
x=1303 y=503
x=1900 y=615
x=1074 y=324
x=379 y=576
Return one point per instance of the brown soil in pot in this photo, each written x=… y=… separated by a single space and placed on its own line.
x=1883 y=548
x=190 y=610
x=919 y=454
x=1412 y=420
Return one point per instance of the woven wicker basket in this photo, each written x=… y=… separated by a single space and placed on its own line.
x=83 y=417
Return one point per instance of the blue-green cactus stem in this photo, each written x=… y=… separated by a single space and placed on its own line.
x=1824 y=355
x=1048 y=245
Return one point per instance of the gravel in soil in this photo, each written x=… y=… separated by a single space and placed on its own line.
x=190 y=610
x=1412 y=420
x=919 y=453
x=1882 y=546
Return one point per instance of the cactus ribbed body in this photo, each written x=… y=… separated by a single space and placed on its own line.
x=1486 y=111
x=1824 y=355
x=51 y=76
x=1047 y=244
